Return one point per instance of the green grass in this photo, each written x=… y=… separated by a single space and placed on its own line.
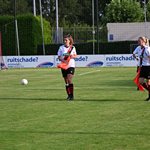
x=108 y=113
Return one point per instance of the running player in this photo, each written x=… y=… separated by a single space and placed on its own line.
x=67 y=54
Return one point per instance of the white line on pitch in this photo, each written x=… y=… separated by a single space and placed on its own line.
x=81 y=74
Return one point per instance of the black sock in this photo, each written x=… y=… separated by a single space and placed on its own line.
x=71 y=90
x=67 y=89
x=145 y=86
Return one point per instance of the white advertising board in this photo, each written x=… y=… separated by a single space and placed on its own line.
x=28 y=61
x=81 y=61
x=120 y=60
x=87 y=60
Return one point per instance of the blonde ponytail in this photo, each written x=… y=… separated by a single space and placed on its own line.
x=146 y=40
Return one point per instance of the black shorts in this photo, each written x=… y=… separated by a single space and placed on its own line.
x=70 y=70
x=145 y=72
x=137 y=68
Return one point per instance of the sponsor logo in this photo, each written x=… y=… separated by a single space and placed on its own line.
x=45 y=65
x=3 y=66
x=120 y=58
x=109 y=64
x=82 y=58
x=22 y=59
x=95 y=64
x=16 y=65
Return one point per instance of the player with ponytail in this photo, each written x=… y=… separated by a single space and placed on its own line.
x=66 y=55
x=138 y=50
x=144 y=58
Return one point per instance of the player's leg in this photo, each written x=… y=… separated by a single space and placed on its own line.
x=143 y=83
x=137 y=72
x=148 y=82
x=71 y=86
x=64 y=74
x=148 y=85
x=67 y=87
x=145 y=74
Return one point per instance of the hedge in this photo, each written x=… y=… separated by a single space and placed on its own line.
x=29 y=30
x=87 y=48
x=7 y=28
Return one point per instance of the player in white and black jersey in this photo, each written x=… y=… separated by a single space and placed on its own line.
x=144 y=55
x=67 y=54
x=137 y=53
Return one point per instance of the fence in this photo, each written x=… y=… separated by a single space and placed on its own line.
x=87 y=39
x=80 y=34
x=30 y=38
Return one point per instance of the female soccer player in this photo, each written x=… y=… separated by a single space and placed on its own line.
x=137 y=53
x=144 y=55
x=66 y=55
x=138 y=50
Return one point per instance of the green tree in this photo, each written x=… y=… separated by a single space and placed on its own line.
x=22 y=7
x=7 y=7
x=123 y=11
x=47 y=30
x=70 y=11
x=80 y=11
x=47 y=7
x=148 y=11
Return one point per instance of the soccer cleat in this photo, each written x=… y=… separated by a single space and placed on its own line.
x=68 y=98
x=148 y=99
x=71 y=98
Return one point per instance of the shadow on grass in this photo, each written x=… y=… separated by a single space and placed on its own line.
x=76 y=133
x=123 y=83
x=62 y=99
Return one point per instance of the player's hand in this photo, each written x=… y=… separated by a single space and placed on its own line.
x=73 y=56
x=66 y=54
x=64 y=61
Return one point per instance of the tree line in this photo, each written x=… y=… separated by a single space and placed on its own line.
x=78 y=12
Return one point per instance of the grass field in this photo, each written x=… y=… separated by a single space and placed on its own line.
x=108 y=113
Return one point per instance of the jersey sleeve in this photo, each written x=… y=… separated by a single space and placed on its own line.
x=148 y=51
x=73 y=52
x=136 y=50
x=59 y=53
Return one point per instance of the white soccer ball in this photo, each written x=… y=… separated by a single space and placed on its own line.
x=24 y=81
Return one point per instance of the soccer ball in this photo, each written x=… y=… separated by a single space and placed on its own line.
x=24 y=81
